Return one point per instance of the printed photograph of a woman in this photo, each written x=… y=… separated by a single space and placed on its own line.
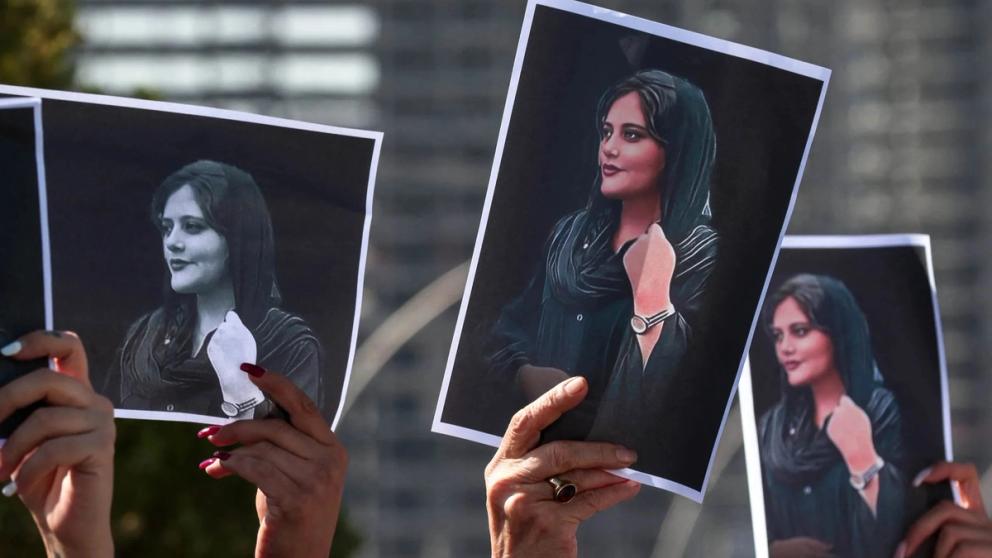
x=833 y=463
x=221 y=304
x=620 y=285
x=187 y=241
x=846 y=402
x=639 y=193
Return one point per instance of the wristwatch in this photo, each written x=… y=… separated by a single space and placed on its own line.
x=234 y=409
x=859 y=482
x=641 y=324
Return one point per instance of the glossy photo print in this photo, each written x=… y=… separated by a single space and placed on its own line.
x=642 y=181
x=846 y=399
x=187 y=241
x=25 y=294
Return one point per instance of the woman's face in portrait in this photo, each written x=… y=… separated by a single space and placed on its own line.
x=630 y=160
x=195 y=253
x=805 y=353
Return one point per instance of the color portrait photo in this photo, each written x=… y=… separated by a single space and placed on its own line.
x=846 y=400
x=187 y=241
x=642 y=181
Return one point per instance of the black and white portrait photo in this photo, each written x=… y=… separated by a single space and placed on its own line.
x=643 y=179
x=846 y=400
x=25 y=303
x=188 y=242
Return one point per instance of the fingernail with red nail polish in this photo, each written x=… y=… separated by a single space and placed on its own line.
x=222 y=455
x=208 y=431
x=253 y=369
x=206 y=463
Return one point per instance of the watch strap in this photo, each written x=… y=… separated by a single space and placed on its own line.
x=860 y=482
x=641 y=324
x=232 y=409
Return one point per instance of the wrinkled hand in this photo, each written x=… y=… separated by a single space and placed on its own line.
x=800 y=547
x=524 y=519
x=298 y=466
x=850 y=430
x=650 y=263
x=962 y=532
x=535 y=380
x=232 y=344
x=62 y=456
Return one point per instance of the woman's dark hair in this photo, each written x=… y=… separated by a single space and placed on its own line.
x=232 y=205
x=678 y=117
x=832 y=309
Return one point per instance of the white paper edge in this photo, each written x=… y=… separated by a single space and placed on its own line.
x=39 y=158
x=752 y=457
x=752 y=462
x=19 y=102
x=210 y=113
x=664 y=31
x=194 y=110
x=360 y=287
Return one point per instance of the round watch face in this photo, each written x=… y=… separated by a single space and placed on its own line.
x=638 y=324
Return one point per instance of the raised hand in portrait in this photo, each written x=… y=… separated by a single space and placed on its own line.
x=536 y=496
x=232 y=344
x=849 y=428
x=61 y=458
x=297 y=464
x=963 y=531
x=650 y=263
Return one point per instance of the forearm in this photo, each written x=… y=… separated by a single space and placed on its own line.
x=645 y=306
x=870 y=495
x=856 y=467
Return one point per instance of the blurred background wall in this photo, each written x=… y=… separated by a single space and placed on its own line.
x=901 y=147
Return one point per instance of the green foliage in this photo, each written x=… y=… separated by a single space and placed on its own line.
x=164 y=506
x=36 y=37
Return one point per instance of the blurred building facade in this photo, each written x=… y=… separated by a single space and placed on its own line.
x=900 y=148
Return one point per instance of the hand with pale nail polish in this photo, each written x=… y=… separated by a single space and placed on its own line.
x=297 y=464
x=537 y=496
x=963 y=531
x=61 y=458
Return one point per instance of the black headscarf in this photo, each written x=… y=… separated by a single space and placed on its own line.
x=793 y=450
x=233 y=205
x=582 y=265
